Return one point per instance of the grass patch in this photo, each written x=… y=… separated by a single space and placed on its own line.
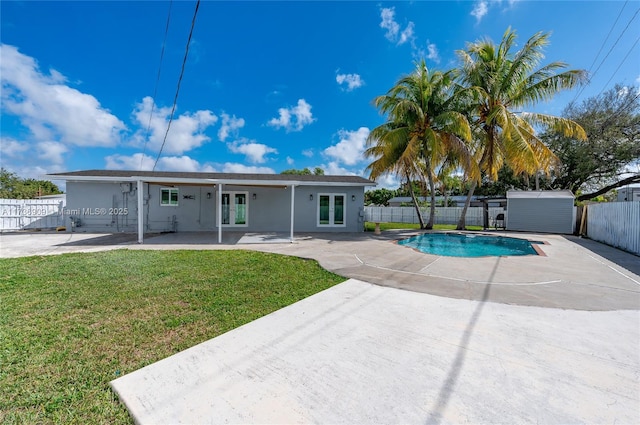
x=370 y=226
x=71 y=323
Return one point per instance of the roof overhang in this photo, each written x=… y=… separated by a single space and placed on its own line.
x=203 y=181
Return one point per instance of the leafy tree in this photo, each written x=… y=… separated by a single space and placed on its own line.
x=499 y=85
x=14 y=187
x=423 y=127
x=378 y=196
x=305 y=172
x=505 y=181
x=612 y=123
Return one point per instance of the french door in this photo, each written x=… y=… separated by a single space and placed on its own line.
x=235 y=209
x=331 y=209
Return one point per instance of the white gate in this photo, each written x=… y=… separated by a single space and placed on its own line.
x=22 y=214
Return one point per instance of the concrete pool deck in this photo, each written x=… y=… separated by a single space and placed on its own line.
x=553 y=339
x=574 y=273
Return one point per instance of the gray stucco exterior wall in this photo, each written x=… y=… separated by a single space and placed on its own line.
x=112 y=207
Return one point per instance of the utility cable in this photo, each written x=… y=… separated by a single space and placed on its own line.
x=623 y=61
x=175 y=99
x=609 y=52
x=155 y=89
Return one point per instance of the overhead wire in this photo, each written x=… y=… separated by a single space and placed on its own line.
x=175 y=99
x=608 y=53
x=620 y=65
x=155 y=89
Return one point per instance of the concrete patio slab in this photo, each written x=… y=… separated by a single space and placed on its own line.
x=362 y=353
x=574 y=273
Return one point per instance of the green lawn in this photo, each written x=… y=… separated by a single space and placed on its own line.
x=370 y=227
x=71 y=323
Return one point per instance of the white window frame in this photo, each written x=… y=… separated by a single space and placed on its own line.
x=170 y=189
x=232 y=194
x=332 y=200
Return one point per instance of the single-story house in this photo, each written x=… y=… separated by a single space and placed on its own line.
x=162 y=201
x=547 y=211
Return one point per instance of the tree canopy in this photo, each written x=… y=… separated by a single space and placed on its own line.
x=304 y=172
x=14 y=187
x=610 y=157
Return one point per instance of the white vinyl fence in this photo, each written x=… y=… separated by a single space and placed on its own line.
x=616 y=224
x=444 y=215
x=23 y=214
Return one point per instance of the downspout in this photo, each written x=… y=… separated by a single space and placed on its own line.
x=293 y=195
x=140 y=192
x=219 y=212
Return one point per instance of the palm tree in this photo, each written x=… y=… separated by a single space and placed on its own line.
x=423 y=127
x=499 y=84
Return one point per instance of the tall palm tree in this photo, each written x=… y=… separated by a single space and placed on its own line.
x=499 y=84
x=423 y=127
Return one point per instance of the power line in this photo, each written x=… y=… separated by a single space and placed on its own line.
x=607 y=37
x=175 y=99
x=623 y=61
x=155 y=89
x=609 y=52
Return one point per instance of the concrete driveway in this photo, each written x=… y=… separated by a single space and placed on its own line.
x=361 y=354
x=552 y=339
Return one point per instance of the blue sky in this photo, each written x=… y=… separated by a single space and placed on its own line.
x=267 y=86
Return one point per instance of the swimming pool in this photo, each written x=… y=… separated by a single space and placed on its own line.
x=468 y=245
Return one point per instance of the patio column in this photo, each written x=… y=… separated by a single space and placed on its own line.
x=293 y=199
x=140 y=191
x=219 y=212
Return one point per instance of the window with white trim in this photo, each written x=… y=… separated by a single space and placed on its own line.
x=332 y=209
x=169 y=197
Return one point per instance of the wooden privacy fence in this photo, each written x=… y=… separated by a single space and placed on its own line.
x=616 y=224
x=22 y=214
x=444 y=215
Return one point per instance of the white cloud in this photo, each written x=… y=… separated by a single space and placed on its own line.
x=51 y=151
x=433 y=54
x=290 y=160
x=12 y=147
x=50 y=109
x=229 y=126
x=353 y=81
x=165 y=163
x=389 y=23
x=388 y=181
x=333 y=168
x=255 y=152
x=349 y=149
x=480 y=9
x=308 y=153
x=407 y=34
x=233 y=167
x=132 y=162
x=294 y=118
x=186 y=132
x=178 y=163
x=393 y=33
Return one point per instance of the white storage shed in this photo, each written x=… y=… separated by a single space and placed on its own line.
x=545 y=211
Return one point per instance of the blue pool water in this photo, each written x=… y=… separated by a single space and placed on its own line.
x=468 y=245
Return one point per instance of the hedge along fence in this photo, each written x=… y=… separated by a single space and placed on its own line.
x=616 y=224
x=23 y=214
x=444 y=215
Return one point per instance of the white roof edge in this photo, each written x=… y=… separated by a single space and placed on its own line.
x=564 y=193
x=205 y=181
